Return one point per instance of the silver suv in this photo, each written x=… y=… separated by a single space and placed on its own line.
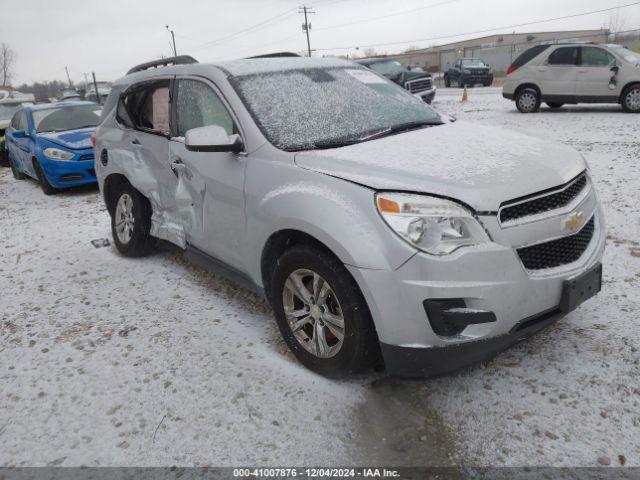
x=377 y=228
x=574 y=73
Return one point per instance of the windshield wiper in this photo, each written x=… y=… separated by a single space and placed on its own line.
x=403 y=127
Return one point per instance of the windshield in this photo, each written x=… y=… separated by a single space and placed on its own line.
x=66 y=118
x=628 y=55
x=302 y=109
x=7 y=110
x=474 y=62
x=389 y=68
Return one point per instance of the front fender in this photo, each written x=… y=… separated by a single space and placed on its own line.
x=340 y=214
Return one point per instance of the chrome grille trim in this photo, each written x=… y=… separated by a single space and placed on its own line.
x=546 y=213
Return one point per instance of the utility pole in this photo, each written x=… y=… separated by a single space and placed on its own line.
x=306 y=26
x=173 y=39
x=95 y=85
x=68 y=77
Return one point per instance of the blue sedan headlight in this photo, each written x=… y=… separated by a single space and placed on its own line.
x=57 y=154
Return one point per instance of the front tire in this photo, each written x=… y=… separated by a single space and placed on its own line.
x=322 y=314
x=46 y=187
x=528 y=100
x=17 y=174
x=447 y=82
x=131 y=222
x=631 y=99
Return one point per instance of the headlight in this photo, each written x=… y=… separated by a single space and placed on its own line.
x=57 y=154
x=466 y=71
x=433 y=225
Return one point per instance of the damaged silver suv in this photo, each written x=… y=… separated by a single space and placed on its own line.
x=376 y=228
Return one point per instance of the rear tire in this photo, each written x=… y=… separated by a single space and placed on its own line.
x=17 y=174
x=131 y=222
x=528 y=100
x=332 y=297
x=46 y=187
x=554 y=105
x=631 y=99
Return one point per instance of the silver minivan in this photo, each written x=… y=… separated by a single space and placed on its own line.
x=381 y=232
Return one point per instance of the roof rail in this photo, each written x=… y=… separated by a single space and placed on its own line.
x=275 y=55
x=163 y=62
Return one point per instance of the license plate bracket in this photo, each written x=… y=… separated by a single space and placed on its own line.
x=577 y=290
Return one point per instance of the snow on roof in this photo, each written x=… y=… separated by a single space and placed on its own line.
x=268 y=65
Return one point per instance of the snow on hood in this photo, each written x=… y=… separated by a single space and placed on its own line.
x=479 y=165
x=73 y=139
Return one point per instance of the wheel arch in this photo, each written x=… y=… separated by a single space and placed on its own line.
x=278 y=243
x=626 y=87
x=110 y=187
x=524 y=85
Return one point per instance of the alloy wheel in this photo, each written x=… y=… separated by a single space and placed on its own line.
x=527 y=101
x=124 y=219
x=313 y=313
x=632 y=99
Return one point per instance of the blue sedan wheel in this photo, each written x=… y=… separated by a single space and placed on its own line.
x=17 y=174
x=42 y=178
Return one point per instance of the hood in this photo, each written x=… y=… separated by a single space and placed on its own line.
x=479 y=165
x=72 y=139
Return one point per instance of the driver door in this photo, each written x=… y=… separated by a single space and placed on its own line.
x=210 y=188
x=595 y=74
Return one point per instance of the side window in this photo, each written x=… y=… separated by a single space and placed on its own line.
x=146 y=108
x=22 y=122
x=198 y=105
x=596 y=57
x=564 y=56
x=15 y=121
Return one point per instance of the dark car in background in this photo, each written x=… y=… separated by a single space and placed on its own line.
x=468 y=72
x=415 y=80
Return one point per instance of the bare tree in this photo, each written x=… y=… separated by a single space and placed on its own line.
x=369 y=52
x=617 y=24
x=7 y=58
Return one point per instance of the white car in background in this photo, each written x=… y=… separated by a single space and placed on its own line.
x=574 y=73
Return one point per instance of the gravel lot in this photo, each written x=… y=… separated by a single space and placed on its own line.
x=111 y=361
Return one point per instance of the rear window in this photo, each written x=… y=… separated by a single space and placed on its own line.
x=529 y=55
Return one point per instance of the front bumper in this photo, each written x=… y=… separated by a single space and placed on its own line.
x=70 y=173
x=426 y=95
x=489 y=278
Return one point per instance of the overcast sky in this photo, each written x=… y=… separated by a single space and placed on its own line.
x=110 y=36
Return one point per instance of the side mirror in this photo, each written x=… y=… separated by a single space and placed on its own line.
x=615 y=69
x=20 y=134
x=212 y=138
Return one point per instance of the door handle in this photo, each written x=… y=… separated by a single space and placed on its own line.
x=178 y=166
x=135 y=141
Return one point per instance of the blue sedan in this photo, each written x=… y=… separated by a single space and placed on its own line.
x=52 y=144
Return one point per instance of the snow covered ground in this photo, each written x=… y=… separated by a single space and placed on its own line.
x=112 y=361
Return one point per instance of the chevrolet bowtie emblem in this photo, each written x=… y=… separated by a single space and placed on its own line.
x=573 y=221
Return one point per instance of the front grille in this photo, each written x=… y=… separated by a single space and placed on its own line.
x=558 y=252
x=419 y=85
x=84 y=158
x=553 y=201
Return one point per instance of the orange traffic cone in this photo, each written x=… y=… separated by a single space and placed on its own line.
x=465 y=94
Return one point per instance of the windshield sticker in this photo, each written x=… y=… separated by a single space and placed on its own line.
x=366 y=77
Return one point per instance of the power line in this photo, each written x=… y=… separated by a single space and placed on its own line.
x=394 y=14
x=593 y=12
x=239 y=33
